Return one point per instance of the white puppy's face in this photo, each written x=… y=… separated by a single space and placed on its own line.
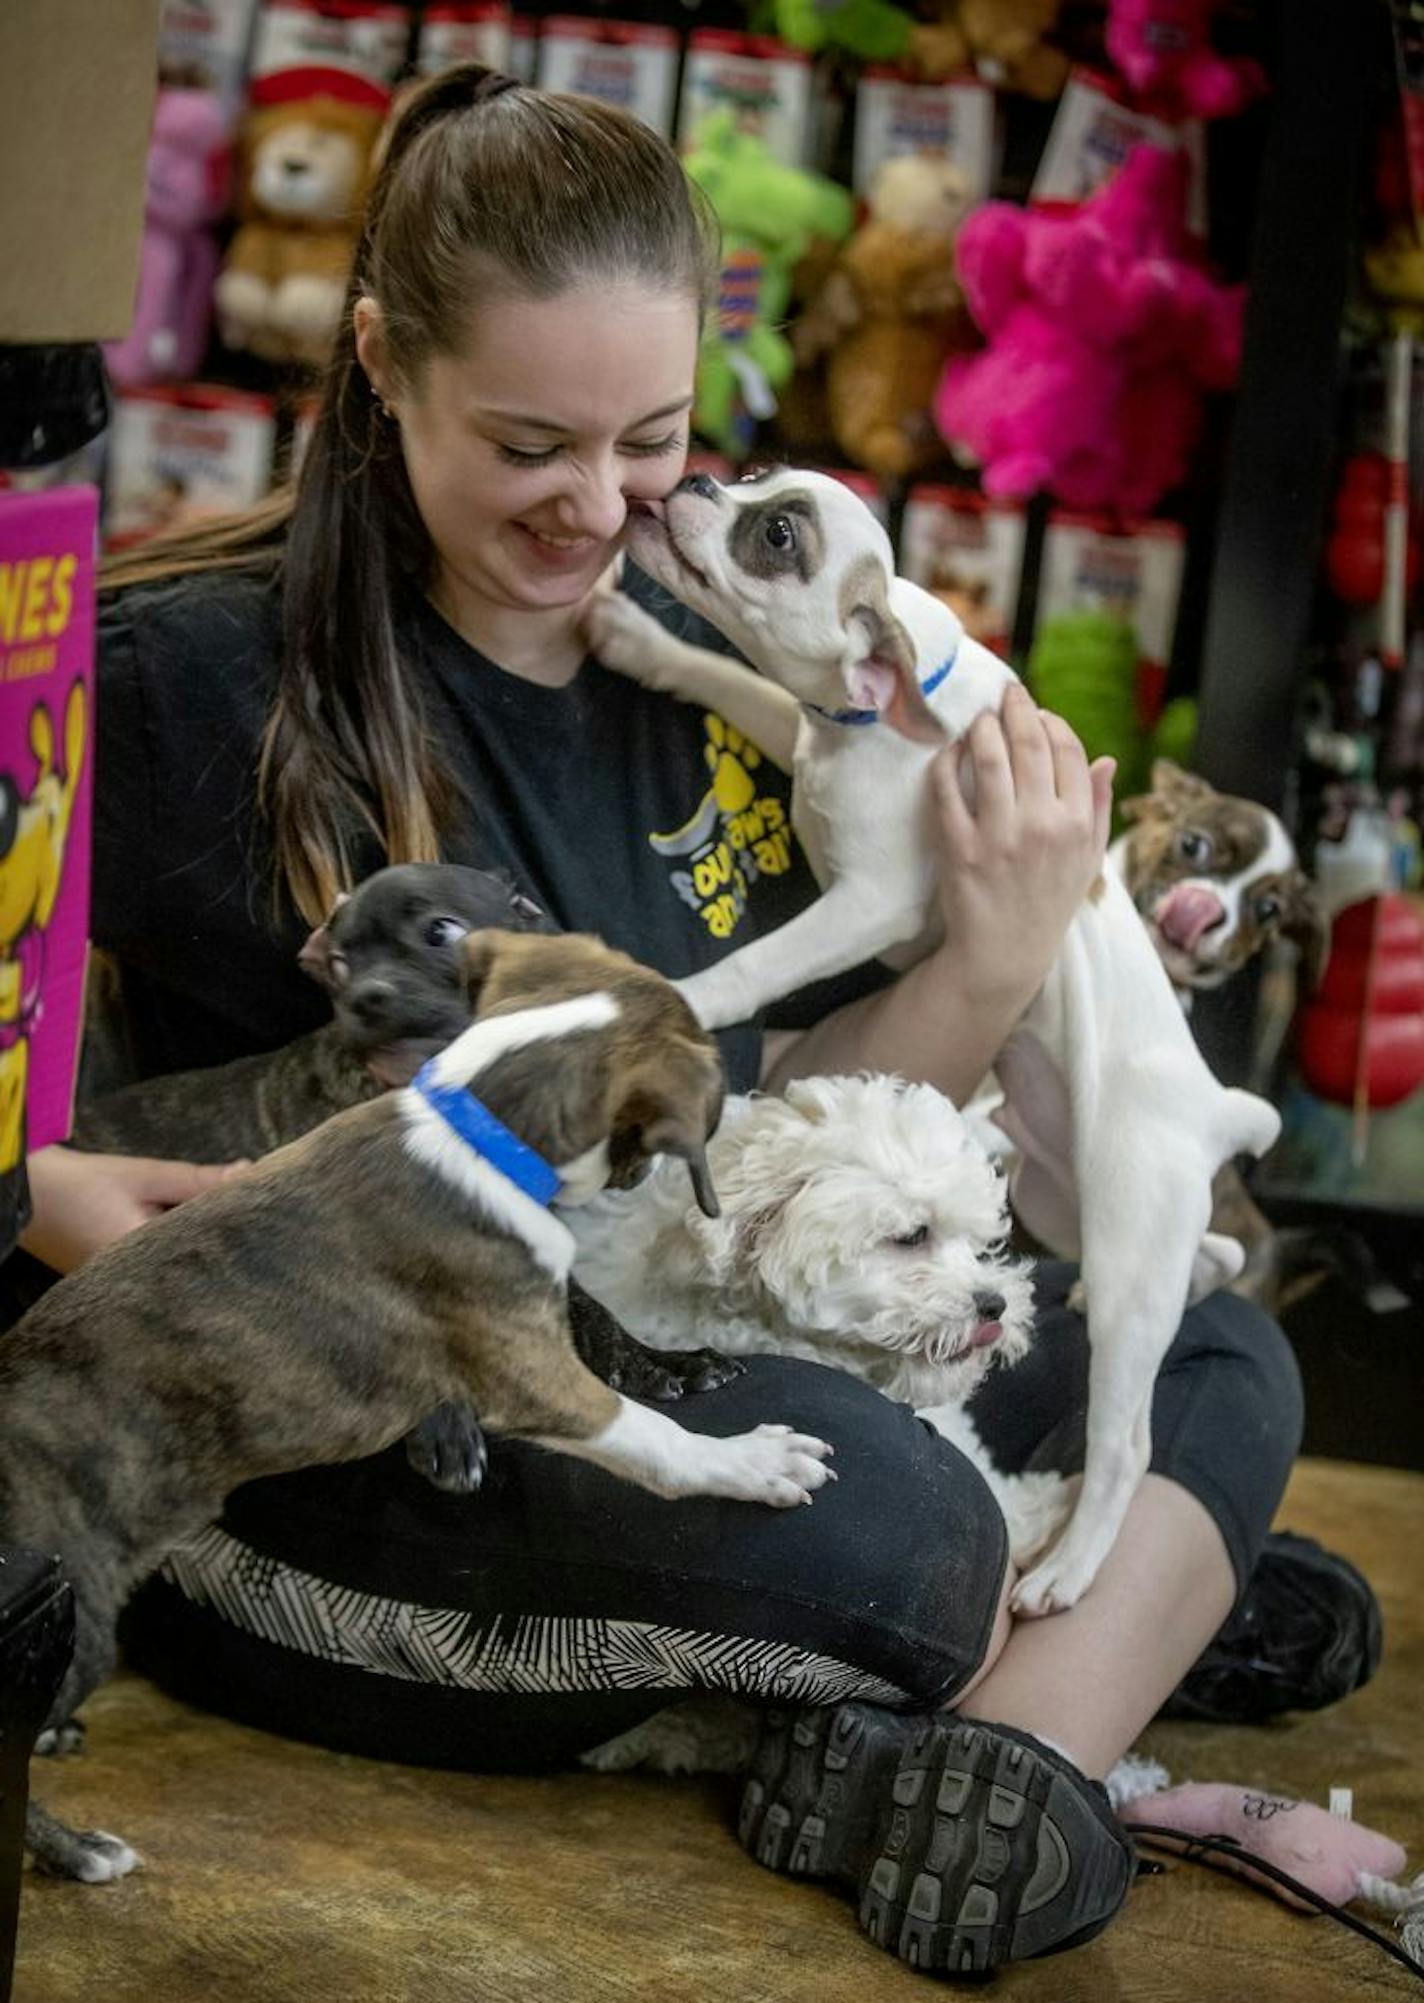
x=795 y=570
x=864 y=1213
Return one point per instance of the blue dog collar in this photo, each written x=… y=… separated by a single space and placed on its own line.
x=857 y=716
x=480 y=1130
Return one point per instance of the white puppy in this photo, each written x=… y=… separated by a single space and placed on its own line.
x=861 y=1225
x=1118 y=1124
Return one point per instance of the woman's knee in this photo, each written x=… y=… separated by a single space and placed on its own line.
x=906 y=1552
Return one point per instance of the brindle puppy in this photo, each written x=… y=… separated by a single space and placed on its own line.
x=390 y=957
x=219 y=1344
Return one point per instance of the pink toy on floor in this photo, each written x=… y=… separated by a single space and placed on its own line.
x=1104 y=335
x=1163 y=48
x=1328 y=1853
x=187 y=176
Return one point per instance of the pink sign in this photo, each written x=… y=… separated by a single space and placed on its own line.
x=47 y=546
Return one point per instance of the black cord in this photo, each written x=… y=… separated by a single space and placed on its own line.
x=1209 y=1850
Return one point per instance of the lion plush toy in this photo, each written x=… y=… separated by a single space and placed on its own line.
x=306 y=164
x=888 y=315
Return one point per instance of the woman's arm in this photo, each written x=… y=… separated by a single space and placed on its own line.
x=1014 y=868
x=82 y=1202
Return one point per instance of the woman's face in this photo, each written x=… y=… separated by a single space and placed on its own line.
x=525 y=450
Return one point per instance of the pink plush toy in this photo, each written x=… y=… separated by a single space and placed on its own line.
x=1104 y=335
x=1163 y=48
x=187 y=192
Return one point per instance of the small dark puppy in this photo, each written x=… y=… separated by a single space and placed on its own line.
x=391 y=958
x=219 y=1344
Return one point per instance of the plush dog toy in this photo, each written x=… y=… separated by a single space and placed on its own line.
x=888 y=314
x=1104 y=337
x=770 y=216
x=306 y=165
x=178 y=259
x=1163 y=48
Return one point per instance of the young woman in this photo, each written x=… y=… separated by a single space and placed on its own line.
x=391 y=666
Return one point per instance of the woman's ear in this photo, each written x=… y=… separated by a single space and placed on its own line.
x=369 y=324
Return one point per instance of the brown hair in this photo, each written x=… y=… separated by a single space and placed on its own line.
x=484 y=187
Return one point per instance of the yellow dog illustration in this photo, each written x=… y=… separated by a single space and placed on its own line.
x=33 y=834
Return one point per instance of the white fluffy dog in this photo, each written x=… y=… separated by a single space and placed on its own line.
x=862 y=1225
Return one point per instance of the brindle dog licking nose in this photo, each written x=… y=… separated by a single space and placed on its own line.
x=219 y=1343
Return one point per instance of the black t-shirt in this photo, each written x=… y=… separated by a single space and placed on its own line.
x=625 y=813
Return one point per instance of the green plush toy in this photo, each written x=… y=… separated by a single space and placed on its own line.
x=873 y=30
x=770 y=215
x=1084 y=666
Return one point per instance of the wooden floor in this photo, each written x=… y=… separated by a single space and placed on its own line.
x=280 y=1874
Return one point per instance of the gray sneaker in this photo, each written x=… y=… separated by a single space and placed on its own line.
x=966 y=1845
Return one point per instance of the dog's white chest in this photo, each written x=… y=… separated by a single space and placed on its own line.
x=861 y=803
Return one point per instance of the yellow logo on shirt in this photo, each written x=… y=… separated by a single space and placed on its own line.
x=737 y=834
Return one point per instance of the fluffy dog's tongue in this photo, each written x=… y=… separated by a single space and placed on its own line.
x=1186 y=913
x=873 y=685
x=987 y=1332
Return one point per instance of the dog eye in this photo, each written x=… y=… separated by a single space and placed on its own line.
x=780 y=532
x=1193 y=846
x=444 y=931
x=1267 y=909
x=337 y=969
x=912 y=1240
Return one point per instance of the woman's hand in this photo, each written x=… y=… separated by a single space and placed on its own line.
x=83 y=1202
x=1016 y=864
x=1013 y=869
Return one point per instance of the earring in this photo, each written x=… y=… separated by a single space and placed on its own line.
x=387 y=412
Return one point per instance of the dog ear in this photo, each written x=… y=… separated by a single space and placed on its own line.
x=1172 y=791
x=1175 y=783
x=1303 y=921
x=315 y=956
x=879 y=663
x=669 y=1104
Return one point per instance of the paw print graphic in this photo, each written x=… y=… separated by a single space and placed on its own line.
x=731 y=758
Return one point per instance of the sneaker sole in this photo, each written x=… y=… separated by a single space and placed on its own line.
x=966 y=1848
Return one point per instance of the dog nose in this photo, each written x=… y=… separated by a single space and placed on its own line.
x=989 y=1307
x=369 y=1002
x=699 y=483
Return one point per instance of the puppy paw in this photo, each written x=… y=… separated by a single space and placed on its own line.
x=1058 y=1582
x=57 y=1741
x=664 y=1375
x=448 y=1449
x=91 y=1856
x=625 y=637
x=772 y=1465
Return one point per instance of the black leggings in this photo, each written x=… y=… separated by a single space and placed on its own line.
x=360 y=1608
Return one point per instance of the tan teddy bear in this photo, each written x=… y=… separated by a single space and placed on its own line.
x=305 y=169
x=1002 y=39
x=888 y=314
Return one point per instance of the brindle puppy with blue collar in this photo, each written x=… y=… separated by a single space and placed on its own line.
x=390 y=958
x=220 y=1343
